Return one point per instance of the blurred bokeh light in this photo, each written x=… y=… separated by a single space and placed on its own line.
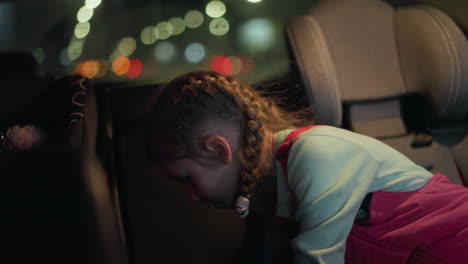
x=178 y=25
x=121 y=65
x=165 y=30
x=164 y=51
x=84 y=14
x=82 y=29
x=195 y=52
x=149 y=35
x=219 y=26
x=75 y=49
x=92 y=3
x=222 y=64
x=126 y=46
x=257 y=35
x=88 y=68
x=136 y=67
x=194 y=19
x=215 y=9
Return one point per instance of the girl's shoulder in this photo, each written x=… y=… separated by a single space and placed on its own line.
x=338 y=137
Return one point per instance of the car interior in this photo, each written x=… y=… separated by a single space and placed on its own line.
x=395 y=70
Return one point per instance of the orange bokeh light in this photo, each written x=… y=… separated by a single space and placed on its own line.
x=121 y=65
x=88 y=68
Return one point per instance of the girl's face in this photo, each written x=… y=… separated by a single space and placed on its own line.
x=215 y=183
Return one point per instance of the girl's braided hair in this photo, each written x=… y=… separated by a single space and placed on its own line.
x=190 y=100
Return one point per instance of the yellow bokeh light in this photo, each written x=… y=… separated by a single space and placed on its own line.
x=165 y=30
x=121 y=65
x=149 y=35
x=178 y=25
x=193 y=19
x=82 y=29
x=219 y=26
x=92 y=3
x=215 y=9
x=84 y=14
x=126 y=46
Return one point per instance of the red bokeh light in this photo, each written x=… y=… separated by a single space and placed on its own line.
x=136 y=67
x=222 y=64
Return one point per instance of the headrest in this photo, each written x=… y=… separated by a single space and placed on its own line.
x=434 y=59
x=347 y=51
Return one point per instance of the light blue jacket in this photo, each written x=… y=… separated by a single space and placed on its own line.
x=330 y=171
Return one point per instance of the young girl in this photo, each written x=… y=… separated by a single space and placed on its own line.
x=356 y=200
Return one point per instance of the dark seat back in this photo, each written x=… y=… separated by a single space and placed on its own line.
x=58 y=209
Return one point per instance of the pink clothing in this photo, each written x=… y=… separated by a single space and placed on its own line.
x=429 y=225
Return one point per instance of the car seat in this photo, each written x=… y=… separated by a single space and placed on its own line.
x=396 y=73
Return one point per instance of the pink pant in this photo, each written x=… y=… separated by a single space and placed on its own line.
x=426 y=226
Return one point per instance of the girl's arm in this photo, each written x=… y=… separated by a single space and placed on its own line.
x=329 y=178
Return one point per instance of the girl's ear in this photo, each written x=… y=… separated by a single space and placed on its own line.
x=219 y=148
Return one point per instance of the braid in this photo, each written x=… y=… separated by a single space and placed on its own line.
x=252 y=108
x=195 y=97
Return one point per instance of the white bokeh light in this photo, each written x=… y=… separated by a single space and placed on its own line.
x=126 y=46
x=165 y=30
x=84 y=14
x=149 y=35
x=219 y=26
x=82 y=29
x=257 y=35
x=215 y=9
x=164 y=51
x=195 y=52
x=92 y=3
x=178 y=25
x=75 y=49
x=194 y=19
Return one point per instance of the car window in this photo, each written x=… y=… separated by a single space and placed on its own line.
x=145 y=42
